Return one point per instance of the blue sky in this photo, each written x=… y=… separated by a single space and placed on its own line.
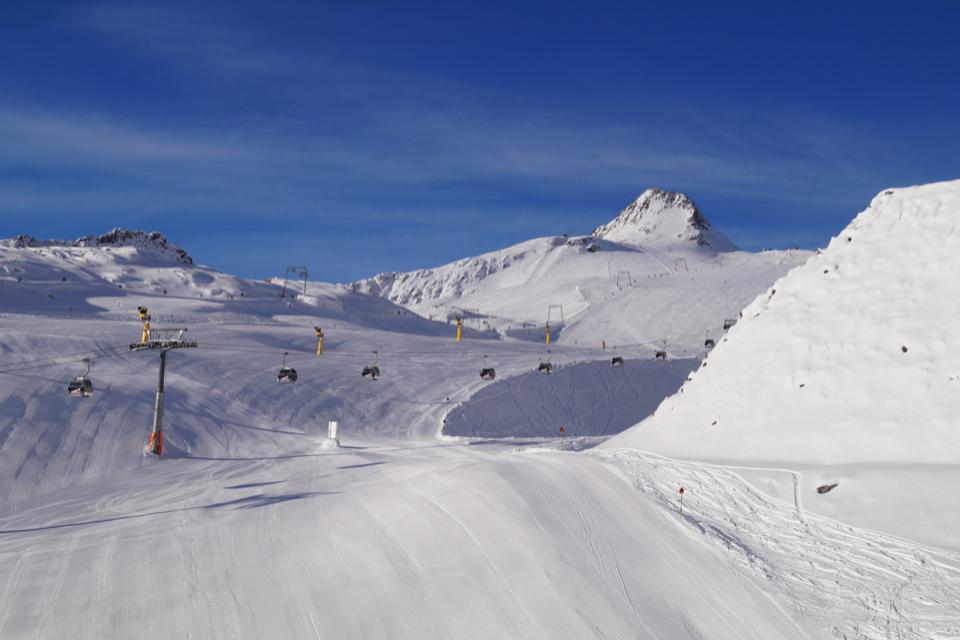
x=359 y=137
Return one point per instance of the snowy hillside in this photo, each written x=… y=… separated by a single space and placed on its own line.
x=847 y=369
x=130 y=261
x=658 y=273
x=111 y=274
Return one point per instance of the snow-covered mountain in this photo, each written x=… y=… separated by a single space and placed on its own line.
x=663 y=218
x=657 y=272
x=849 y=367
x=145 y=243
x=113 y=273
x=249 y=526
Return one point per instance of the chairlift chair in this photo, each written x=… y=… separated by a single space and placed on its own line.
x=616 y=362
x=661 y=354
x=82 y=385
x=287 y=374
x=487 y=373
x=545 y=366
x=372 y=372
x=708 y=343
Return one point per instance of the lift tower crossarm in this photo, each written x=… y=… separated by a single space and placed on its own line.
x=300 y=272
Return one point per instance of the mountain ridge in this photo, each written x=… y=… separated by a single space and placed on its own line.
x=153 y=241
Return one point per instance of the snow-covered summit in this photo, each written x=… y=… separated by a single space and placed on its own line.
x=152 y=242
x=661 y=217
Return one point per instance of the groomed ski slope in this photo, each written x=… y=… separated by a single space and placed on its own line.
x=378 y=540
x=247 y=528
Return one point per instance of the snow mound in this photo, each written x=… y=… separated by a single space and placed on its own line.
x=853 y=357
x=661 y=217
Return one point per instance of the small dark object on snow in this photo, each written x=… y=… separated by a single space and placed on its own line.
x=617 y=361
x=824 y=488
x=371 y=373
x=660 y=355
x=904 y=349
x=80 y=387
x=709 y=343
x=803 y=384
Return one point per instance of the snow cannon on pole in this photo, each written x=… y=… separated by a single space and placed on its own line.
x=548 y=332
x=319 y=332
x=162 y=340
x=144 y=314
x=459 y=328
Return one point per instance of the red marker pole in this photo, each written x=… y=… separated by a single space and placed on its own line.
x=681 y=502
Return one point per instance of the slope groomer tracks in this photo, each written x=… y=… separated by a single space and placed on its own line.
x=828 y=570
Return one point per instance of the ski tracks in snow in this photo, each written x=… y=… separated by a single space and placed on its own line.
x=842 y=581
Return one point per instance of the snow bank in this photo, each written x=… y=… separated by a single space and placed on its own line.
x=853 y=357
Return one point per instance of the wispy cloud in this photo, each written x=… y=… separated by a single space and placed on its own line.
x=350 y=145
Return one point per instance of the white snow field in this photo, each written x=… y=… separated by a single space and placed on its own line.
x=451 y=508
